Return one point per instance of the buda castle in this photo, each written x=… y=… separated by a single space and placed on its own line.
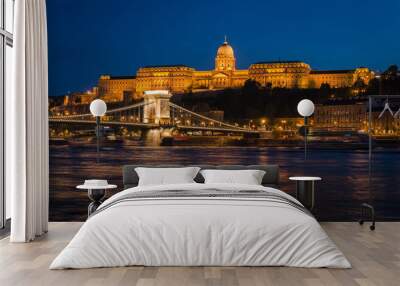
x=181 y=78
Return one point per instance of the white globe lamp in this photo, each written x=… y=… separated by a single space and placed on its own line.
x=306 y=108
x=98 y=107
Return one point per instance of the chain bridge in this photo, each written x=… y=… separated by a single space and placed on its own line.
x=156 y=111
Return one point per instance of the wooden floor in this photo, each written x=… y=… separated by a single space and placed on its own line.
x=375 y=257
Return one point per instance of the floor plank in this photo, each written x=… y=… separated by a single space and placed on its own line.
x=375 y=257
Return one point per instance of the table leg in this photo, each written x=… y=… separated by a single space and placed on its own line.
x=96 y=196
x=305 y=193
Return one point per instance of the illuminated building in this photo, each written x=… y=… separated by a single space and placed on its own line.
x=81 y=97
x=349 y=115
x=177 y=79
x=116 y=88
x=181 y=78
x=353 y=115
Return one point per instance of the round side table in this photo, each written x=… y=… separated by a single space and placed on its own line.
x=96 y=194
x=305 y=190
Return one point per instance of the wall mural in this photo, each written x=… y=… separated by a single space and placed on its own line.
x=179 y=114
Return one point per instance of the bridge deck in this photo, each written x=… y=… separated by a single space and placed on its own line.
x=204 y=123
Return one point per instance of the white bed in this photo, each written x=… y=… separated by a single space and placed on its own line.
x=200 y=231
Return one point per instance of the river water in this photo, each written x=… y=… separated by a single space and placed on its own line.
x=338 y=196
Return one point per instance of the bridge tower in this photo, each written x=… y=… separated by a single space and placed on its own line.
x=156 y=107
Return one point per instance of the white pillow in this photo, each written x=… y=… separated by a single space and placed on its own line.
x=166 y=176
x=248 y=177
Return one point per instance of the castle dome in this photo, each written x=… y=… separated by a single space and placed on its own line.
x=225 y=50
x=225 y=59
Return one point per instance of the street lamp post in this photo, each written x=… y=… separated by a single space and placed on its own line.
x=306 y=109
x=98 y=108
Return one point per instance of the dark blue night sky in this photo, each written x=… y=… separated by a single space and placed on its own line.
x=92 y=37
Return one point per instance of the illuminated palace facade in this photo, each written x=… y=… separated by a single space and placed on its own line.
x=181 y=78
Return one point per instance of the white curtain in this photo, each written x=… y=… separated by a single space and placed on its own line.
x=27 y=124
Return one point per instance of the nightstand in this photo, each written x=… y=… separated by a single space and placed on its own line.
x=305 y=190
x=96 y=194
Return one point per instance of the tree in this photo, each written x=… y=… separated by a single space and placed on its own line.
x=373 y=86
x=391 y=73
x=201 y=107
x=325 y=90
x=251 y=87
x=359 y=86
x=391 y=80
x=254 y=100
x=325 y=86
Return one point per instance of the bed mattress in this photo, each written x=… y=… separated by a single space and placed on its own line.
x=201 y=225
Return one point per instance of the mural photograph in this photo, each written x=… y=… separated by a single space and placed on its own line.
x=227 y=83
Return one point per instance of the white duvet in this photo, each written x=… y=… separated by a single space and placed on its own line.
x=202 y=232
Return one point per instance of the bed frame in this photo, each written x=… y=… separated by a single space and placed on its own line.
x=270 y=179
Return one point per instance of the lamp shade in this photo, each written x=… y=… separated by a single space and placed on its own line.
x=98 y=107
x=305 y=107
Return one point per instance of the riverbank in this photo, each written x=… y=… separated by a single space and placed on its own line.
x=233 y=141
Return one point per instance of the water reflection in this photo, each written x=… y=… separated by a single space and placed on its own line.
x=339 y=195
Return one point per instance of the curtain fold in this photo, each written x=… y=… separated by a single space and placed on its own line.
x=27 y=123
